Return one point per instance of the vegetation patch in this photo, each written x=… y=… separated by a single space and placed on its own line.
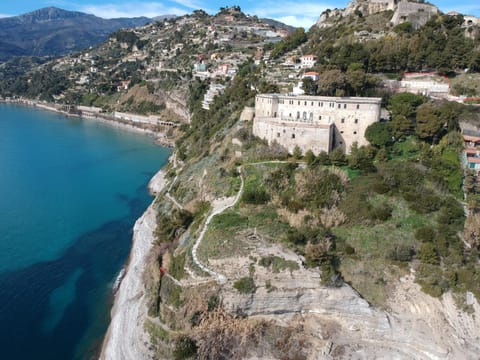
x=245 y=285
x=277 y=263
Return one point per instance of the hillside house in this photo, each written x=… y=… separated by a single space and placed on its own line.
x=315 y=76
x=308 y=61
x=471 y=156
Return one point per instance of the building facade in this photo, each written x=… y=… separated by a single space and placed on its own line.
x=317 y=123
x=471 y=155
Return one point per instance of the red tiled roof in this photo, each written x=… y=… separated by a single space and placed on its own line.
x=471 y=138
x=312 y=73
x=473 y=160
x=472 y=151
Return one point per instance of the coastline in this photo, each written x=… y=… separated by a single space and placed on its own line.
x=160 y=136
x=125 y=337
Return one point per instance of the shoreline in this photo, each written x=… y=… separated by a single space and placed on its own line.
x=125 y=337
x=159 y=136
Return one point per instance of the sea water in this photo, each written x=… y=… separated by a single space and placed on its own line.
x=70 y=192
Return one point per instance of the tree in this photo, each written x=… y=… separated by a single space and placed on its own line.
x=337 y=157
x=361 y=158
x=429 y=122
x=401 y=126
x=405 y=104
x=310 y=86
x=331 y=81
x=310 y=158
x=378 y=134
x=297 y=152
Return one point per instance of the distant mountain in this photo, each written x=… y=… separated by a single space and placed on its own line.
x=164 y=17
x=278 y=24
x=53 y=31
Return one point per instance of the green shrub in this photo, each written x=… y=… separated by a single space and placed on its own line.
x=245 y=285
x=428 y=254
x=425 y=234
x=401 y=252
x=278 y=264
x=349 y=250
x=185 y=348
x=382 y=212
x=255 y=196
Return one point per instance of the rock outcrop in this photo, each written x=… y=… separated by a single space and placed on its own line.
x=415 y=13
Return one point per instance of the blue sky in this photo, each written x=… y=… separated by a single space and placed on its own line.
x=293 y=12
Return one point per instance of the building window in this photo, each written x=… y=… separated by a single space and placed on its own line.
x=344 y=106
x=293 y=136
x=312 y=103
x=354 y=133
x=343 y=121
x=298 y=114
x=321 y=104
x=304 y=115
x=305 y=103
x=290 y=115
x=311 y=116
x=341 y=132
x=358 y=106
x=278 y=134
x=339 y=106
x=298 y=102
x=284 y=131
x=356 y=121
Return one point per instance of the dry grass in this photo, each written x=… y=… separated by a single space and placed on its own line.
x=297 y=219
x=222 y=336
x=332 y=217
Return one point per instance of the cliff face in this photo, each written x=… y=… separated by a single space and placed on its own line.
x=416 y=13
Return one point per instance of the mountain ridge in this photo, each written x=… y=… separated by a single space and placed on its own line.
x=54 y=31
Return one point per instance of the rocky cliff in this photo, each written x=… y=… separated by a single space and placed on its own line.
x=416 y=13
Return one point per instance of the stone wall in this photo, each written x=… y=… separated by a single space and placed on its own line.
x=416 y=13
x=317 y=123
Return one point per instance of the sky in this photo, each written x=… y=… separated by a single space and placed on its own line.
x=302 y=13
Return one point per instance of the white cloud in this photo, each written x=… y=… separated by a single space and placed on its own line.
x=151 y=9
x=303 y=14
x=193 y=5
x=5 y=15
x=297 y=21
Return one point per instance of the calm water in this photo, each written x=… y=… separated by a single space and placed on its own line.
x=70 y=192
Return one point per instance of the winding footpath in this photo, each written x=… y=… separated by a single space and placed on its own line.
x=219 y=277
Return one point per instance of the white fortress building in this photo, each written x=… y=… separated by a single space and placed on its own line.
x=317 y=123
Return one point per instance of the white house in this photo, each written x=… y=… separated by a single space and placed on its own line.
x=308 y=61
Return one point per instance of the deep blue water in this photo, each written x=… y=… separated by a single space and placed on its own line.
x=70 y=192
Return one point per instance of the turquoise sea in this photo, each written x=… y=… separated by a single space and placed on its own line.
x=70 y=192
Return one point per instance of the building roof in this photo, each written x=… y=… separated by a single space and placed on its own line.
x=471 y=138
x=473 y=160
x=472 y=151
x=314 y=73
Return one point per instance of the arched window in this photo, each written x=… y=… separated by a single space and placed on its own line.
x=304 y=115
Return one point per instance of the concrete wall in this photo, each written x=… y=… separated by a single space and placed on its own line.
x=292 y=133
x=418 y=14
x=340 y=120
